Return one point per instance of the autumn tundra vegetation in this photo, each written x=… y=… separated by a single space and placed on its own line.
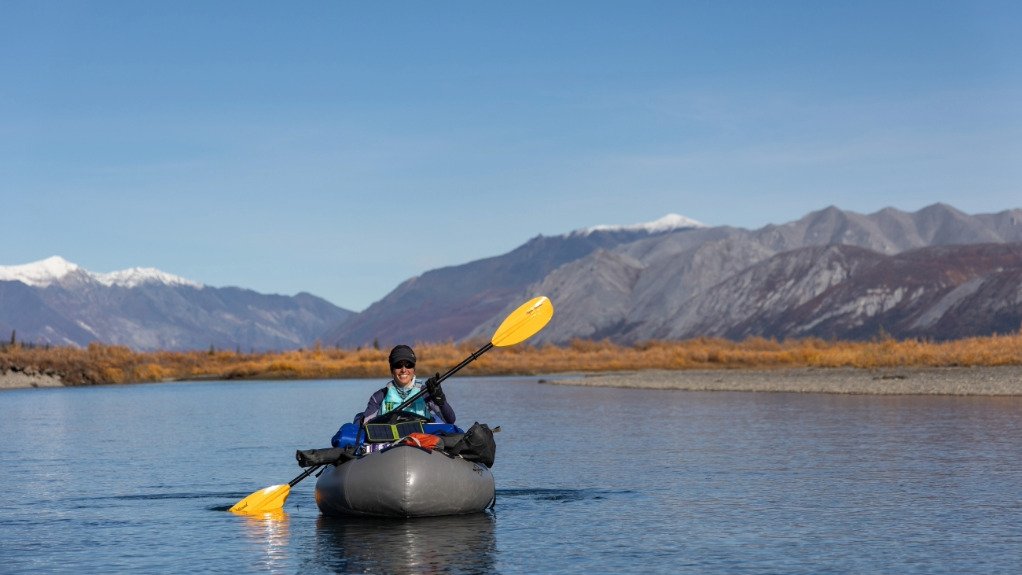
x=111 y=364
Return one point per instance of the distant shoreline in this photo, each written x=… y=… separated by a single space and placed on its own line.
x=987 y=381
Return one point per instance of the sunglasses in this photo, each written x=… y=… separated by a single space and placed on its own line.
x=404 y=364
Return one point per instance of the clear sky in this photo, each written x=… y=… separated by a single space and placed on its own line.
x=340 y=148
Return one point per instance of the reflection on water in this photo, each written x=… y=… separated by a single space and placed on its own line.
x=270 y=534
x=564 y=495
x=453 y=544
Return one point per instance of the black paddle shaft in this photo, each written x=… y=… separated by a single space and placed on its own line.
x=304 y=474
x=449 y=373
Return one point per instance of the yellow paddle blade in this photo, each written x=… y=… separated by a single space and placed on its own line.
x=524 y=322
x=265 y=500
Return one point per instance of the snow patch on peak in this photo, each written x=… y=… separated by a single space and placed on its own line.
x=135 y=277
x=54 y=269
x=38 y=274
x=665 y=224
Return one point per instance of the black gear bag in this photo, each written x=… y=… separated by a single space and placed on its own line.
x=475 y=445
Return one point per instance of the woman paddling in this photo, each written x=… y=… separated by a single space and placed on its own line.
x=404 y=384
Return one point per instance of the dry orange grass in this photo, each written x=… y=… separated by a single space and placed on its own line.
x=100 y=364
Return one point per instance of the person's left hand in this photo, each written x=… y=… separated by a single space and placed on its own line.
x=435 y=391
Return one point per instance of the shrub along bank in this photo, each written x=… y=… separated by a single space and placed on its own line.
x=108 y=364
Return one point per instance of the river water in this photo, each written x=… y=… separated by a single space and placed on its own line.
x=138 y=479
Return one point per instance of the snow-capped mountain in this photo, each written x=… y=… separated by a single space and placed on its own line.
x=936 y=273
x=55 y=269
x=39 y=274
x=54 y=301
x=673 y=279
x=134 y=277
x=668 y=223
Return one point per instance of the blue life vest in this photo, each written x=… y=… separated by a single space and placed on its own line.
x=394 y=399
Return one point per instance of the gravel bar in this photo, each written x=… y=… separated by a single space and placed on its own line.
x=1000 y=380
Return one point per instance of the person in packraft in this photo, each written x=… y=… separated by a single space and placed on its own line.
x=403 y=384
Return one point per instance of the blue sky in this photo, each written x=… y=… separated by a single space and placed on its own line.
x=341 y=148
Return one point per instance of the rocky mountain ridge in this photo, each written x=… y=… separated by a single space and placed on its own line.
x=936 y=273
x=695 y=281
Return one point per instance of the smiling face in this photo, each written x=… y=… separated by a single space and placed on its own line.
x=403 y=372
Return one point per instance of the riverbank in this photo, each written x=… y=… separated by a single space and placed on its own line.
x=18 y=380
x=999 y=380
x=100 y=364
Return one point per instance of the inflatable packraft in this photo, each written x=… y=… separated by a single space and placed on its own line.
x=405 y=469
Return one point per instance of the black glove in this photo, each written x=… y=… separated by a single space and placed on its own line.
x=435 y=391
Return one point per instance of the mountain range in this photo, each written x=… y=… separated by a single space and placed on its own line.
x=54 y=301
x=937 y=273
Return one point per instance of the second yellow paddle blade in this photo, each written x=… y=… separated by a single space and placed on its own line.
x=524 y=322
x=270 y=499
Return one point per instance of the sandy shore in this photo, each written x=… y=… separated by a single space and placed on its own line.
x=17 y=379
x=889 y=381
